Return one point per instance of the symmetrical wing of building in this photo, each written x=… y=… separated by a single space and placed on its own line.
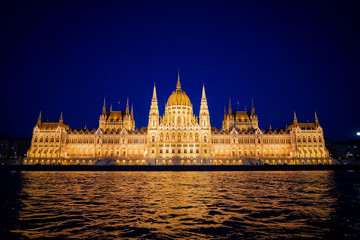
x=176 y=138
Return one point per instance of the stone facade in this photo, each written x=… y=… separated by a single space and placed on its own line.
x=178 y=137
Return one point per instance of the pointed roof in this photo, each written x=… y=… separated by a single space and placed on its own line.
x=61 y=120
x=203 y=93
x=230 y=109
x=178 y=85
x=132 y=112
x=110 y=107
x=104 y=109
x=39 y=119
x=127 y=107
x=295 y=118
x=224 y=112
x=154 y=98
x=252 y=108
x=316 y=120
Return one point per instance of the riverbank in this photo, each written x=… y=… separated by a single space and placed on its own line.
x=178 y=168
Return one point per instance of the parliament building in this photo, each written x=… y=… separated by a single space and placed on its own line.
x=179 y=137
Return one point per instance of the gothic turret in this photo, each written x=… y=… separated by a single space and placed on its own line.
x=132 y=112
x=252 y=108
x=39 y=120
x=253 y=117
x=316 y=121
x=127 y=107
x=230 y=108
x=103 y=109
x=154 y=111
x=295 y=119
x=204 y=111
x=61 y=120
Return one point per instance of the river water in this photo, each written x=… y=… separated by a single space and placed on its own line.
x=167 y=205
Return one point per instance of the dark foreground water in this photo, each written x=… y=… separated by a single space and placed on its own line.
x=167 y=205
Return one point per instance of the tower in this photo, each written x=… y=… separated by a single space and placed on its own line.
x=225 y=117
x=39 y=120
x=253 y=116
x=230 y=117
x=61 y=120
x=128 y=119
x=316 y=121
x=204 y=111
x=103 y=116
x=295 y=119
x=103 y=109
x=154 y=112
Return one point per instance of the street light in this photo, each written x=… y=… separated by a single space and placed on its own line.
x=358 y=133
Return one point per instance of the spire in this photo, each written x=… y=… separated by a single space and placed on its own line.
x=316 y=120
x=295 y=118
x=245 y=109
x=154 y=98
x=132 y=112
x=61 y=120
x=270 y=127
x=110 y=107
x=230 y=110
x=39 y=120
x=85 y=126
x=127 y=107
x=203 y=93
x=224 y=112
x=104 y=108
x=178 y=85
x=252 y=108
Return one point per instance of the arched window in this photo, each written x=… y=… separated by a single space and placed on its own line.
x=152 y=138
x=205 y=139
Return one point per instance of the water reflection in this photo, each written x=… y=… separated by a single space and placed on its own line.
x=85 y=205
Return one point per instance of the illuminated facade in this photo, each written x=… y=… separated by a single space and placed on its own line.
x=178 y=137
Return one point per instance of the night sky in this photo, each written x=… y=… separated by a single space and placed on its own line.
x=288 y=56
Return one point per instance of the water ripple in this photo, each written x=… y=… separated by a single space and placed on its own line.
x=168 y=205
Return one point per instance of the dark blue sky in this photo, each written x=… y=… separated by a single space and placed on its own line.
x=287 y=55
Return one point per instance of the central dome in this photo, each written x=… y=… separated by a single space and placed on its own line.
x=178 y=97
